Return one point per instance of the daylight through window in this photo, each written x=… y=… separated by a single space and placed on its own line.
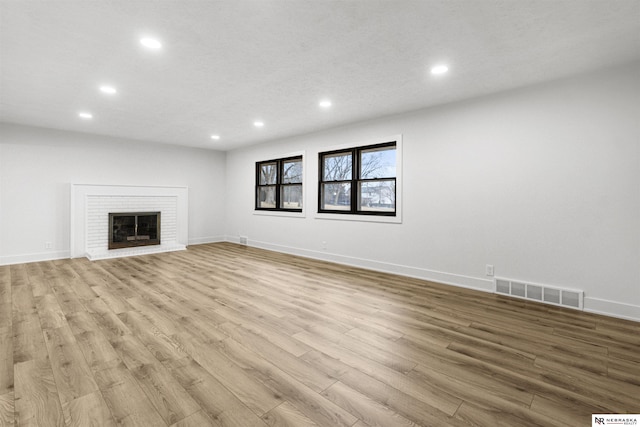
x=279 y=184
x=359 y=180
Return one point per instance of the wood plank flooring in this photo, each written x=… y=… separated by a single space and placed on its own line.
x=227 y=335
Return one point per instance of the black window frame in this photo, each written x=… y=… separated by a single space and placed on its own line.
x=279 y=185
x=355 y=181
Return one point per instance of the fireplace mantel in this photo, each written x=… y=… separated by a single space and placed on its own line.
x=91 y=205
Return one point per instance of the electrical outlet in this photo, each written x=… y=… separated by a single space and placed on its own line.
x=489 y=270
x=48 y=245
x=244 y=240
x=324 y=245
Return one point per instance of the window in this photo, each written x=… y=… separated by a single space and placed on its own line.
x=360 y=180
x=279 y=185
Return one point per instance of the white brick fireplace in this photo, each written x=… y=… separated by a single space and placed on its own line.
x=91 y=205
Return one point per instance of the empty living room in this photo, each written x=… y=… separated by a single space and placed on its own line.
x=329 y=213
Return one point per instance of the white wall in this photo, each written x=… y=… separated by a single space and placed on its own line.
x=542 y=182
x=37 y=167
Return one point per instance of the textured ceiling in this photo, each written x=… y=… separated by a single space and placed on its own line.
x=225 y=64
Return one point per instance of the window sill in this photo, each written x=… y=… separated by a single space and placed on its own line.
x=280 y=213
x=362 y=218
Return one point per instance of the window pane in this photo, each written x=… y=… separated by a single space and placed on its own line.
x=291 y=197
x=267 y=197
x=268 y=173
x=336 y=197
x=378 y=196
x=378 y=163
x=336 y=167
x=292 y=172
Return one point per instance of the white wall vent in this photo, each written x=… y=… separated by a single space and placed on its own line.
x=542 y=293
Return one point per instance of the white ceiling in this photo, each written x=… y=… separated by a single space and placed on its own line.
x=225 y=64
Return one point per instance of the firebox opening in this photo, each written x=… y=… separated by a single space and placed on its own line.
x=130 y=229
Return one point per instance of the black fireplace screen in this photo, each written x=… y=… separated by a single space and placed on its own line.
x=129 y=229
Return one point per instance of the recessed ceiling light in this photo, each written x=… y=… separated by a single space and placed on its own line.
x=150 y=43
x=325 y=103
x=85 y=115
x=216 y=137
x=258 y=124
x=439 y=69
x=109 y=90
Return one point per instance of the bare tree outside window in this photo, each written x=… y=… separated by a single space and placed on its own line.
x=291 y=194
x=268 y=179
x=292 y=172
x=337 y=168
x=378 y=195
x=369 y=171
x=279 y=184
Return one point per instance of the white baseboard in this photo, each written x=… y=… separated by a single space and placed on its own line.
x=592 y=305
x=386 y=267
x=40 y=256
x=51 y=255
x=203 y=240
x=612 y=308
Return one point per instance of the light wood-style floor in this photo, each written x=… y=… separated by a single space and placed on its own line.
x=226 y=335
